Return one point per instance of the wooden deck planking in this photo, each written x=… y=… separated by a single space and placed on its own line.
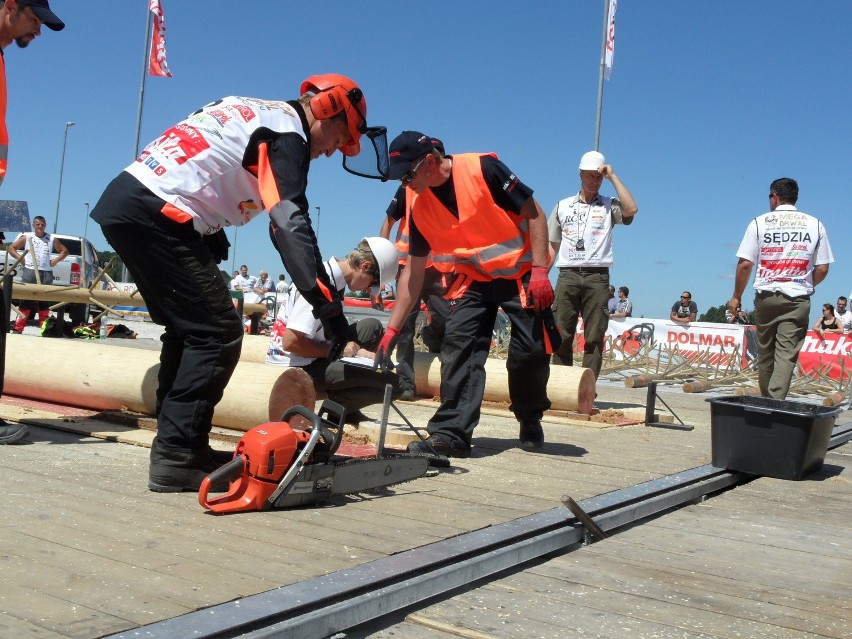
x=695 y=572
x=89 y=520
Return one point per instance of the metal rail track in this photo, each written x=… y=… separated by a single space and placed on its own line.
x=326 y=605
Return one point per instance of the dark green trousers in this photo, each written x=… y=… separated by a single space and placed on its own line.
x=782 y=323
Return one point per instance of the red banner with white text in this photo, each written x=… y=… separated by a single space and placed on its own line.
x=157 y=64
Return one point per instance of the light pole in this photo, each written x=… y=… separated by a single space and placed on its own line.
x=318 y=221
x=86 y=223
x=61 y=170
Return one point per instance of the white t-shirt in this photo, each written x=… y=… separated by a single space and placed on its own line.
x=584 y=230
x=43 y=247
x=297 y=315
x=245 y=283
x=785 y=245
x=845 y=319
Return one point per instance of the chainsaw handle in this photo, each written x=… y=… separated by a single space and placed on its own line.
x=230 y=472
x=227 y=473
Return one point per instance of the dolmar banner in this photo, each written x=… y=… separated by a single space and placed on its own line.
x=715 y=344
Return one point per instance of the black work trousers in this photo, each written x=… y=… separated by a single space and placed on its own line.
x=185 y=293
x=467 y=341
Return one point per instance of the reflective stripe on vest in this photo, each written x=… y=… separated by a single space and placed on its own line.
x=485 y=242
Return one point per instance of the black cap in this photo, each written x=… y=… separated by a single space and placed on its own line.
x=407 y=147
x=42 y=9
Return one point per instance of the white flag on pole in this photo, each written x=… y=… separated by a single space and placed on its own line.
x=610 y=38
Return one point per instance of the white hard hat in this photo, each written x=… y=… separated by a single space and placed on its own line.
x=387 y=257
x=592 y=161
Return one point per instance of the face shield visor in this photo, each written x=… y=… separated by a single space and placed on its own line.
x=372 y=160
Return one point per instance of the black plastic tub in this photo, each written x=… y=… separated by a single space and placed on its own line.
x=770 y=437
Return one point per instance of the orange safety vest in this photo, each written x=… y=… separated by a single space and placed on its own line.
x=403 y=239
x=4 y=133
x=485 y=242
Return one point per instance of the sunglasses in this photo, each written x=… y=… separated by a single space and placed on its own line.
x=410 y=175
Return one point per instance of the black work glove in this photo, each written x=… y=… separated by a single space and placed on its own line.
x=218 y=245
x=335 y=327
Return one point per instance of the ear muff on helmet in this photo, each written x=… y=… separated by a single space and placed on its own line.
x=336 y=93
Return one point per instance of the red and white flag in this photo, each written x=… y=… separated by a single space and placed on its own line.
x=157 y=63
x=610 y=38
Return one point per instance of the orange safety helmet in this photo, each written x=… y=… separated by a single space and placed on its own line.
x=336 y=93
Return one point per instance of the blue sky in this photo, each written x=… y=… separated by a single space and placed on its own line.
x=708 y=103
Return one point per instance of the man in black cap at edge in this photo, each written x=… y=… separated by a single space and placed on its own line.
x=21 y=22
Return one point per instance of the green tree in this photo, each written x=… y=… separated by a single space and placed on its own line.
x=715 y=314
x=117 y=267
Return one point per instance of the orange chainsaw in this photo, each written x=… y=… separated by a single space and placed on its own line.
x=277 y=466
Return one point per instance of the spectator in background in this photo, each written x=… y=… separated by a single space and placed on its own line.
x=843 y=314
x=580 y=232
x=828 y=323
x=739 y=317
x=612 y=301
x=263 y=284
x=624 y=307
x=281 y=285
x=43 y=244
x=243 y=281
x=685 y=310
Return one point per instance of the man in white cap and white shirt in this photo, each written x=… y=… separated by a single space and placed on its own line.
x=580 y=232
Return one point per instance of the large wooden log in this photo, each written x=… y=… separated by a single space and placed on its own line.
x=81 y=295
x=569 y=387
x=104 y=376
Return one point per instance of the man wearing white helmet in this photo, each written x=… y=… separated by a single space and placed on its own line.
x=297 y=337
x=580 y=231
x=166 y=214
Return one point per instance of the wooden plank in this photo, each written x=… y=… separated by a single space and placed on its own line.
x=49 y=617
x=500 y=610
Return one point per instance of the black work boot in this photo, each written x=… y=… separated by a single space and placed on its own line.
x=531 y=435
x=12 y=433
x=175 y=471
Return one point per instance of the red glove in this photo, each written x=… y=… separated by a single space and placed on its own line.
x=383 y=351
x=540 y=288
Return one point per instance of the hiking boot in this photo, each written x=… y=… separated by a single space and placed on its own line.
x=531 y=435
x=408 y=395
x=175 y=470
x=11 y=433
x=440 y=445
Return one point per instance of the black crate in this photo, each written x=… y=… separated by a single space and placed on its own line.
x=770 y=437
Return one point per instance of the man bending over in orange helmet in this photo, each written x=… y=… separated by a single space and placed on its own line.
x=165 y=216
